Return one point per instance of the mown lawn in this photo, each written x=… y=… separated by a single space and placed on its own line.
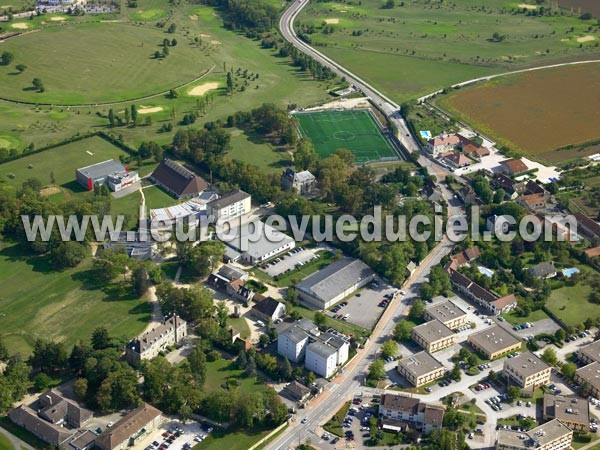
x=231 y=440
x=62 y=162
x=571 y=304
x=514 y=319
x=5 y=443
x=37 y=302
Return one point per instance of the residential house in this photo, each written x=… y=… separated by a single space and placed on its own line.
x=592 y=252
x=302 y=182
x=527 y=371
x=507 y=184
x=496 y=224
x=457 y=160
x=420 y=368
x=238 y=290
x=131 y=429
x=171 y=331
x=481 y=296
x=474 y=150
x=333 y=283
x=395 y=409
x=442 y=144
x=178 y=180
x=533 y=202
x=513 y=167
x=544 y=270
x=297 y=392
x=269 y=309
x=494 y=342
x=292 y=342
x=573 y=412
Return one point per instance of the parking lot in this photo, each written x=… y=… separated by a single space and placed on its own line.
x=177 y=435
x=290 y=260
x=362 y=307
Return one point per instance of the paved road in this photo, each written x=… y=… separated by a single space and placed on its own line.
x=387 y=105
x=17 y=443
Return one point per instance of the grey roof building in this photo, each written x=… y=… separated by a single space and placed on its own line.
x=258 y=244
x=590 y=353
x=420 y=368
x=110 y=172
x=302 y=182
x=494 y=341
x=543 y=270
x=333 y=283
x=433 y=336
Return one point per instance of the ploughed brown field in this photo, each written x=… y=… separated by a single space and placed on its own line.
x=591 y=6
x=536 y=112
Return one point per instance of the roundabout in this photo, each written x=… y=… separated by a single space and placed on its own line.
x=97 y=63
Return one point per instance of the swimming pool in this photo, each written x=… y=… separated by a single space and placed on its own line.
x=570 y=271
x=485 y=271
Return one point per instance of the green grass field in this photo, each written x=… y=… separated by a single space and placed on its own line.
x=262 y=154
x=515 y=319
x=61 y=161
x=356 y=131
x=5 y=443
x=420 y=46
x=571 y=305
x=65 y=305
x=122 y=66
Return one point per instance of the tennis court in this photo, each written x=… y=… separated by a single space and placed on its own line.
x=355 y=130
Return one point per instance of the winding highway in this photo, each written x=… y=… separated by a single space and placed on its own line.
x=387 y=105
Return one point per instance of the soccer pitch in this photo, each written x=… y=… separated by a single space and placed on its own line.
x=356 y=131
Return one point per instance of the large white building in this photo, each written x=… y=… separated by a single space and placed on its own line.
x=333 y=283
x=322 y=353
x=229 y=206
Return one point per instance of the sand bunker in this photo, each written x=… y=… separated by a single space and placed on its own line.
x=5 y=6
x=194 y=17
x=526 y=6
x=20 y=26
x=332 y=21
x=202 y=35
x=203 y=89
x=49 y=191
x=215 y=42
x=586 y=39
x=149 y=109
x=57 y=19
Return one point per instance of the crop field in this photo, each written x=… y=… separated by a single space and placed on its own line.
x=98 y=62
x=519 y=112
x=591 y=6
x=355 y=130
x=61 y=161
x=420 y=46
x=62 y=305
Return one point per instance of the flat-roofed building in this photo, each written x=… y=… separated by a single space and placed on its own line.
x=256 y=241
x=493 y=342
x=527 y=370
x=399 y=408
x=333 y=283
x=590 y=353
x=553 y=435
x=111 y=172
x=574 y=412
x=446 y=312
x=433 y=336
x=420 y=369
x=589 y=376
